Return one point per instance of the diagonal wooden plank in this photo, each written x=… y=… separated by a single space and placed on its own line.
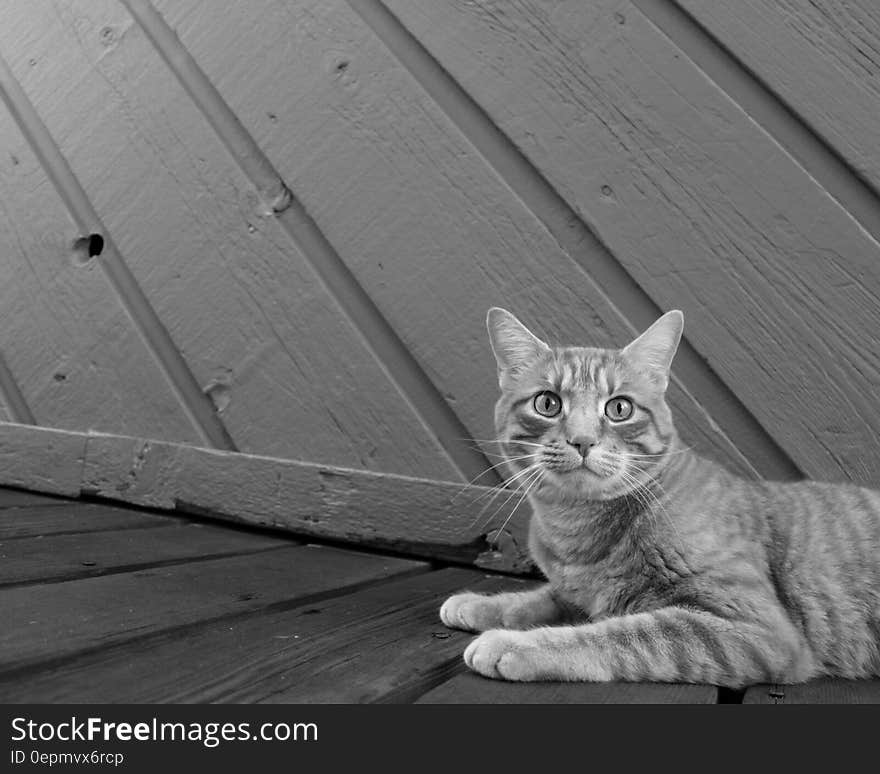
x=65 y=557
x=59 y=518
x=56 y=621
x=369 y=154
x=824 y=691
x=475 y=689
x=288 y=375
x=383 y=643
x=820 y=58
x=703 y=209
x=66 y=339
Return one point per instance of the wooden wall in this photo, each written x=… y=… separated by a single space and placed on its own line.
x=306 y=208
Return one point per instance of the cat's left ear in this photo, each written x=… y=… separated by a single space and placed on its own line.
x=654 y=349
x=515 y=346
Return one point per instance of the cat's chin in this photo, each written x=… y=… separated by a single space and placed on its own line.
x=584 y=484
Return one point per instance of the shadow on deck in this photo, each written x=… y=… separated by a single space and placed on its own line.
x=108 y=604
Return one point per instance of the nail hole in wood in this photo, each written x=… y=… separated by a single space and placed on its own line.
x=96 y=245
x=88 y=247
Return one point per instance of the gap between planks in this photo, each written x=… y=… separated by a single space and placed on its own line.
x=695 y=377
x=91 y=569
x=769 y=110
x=76 y=518
x=354 y=303
x=196 y=404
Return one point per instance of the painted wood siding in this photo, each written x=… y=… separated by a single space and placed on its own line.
x=307 y=208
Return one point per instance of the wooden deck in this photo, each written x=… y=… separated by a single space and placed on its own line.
x=108 y=604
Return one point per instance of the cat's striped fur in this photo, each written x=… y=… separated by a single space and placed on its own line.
x=662 y=565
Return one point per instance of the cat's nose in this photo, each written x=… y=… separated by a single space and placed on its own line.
x=583 y=444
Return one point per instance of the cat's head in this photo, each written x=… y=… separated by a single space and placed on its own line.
x=589 y=423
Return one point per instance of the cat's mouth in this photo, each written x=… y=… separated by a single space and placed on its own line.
x=592 y=468
x=597 y=469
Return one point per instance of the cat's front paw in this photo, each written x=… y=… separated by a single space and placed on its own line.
x=471 y=612
x=504 y=655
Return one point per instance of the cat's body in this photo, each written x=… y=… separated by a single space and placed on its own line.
x=662 y=565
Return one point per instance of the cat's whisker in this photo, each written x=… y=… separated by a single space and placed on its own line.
x=636 y=492
x=530 y=484
x=524 y=478
x=501 y=489
x=491 y=454
x=496 y=455
x=505 y=484
x=642 y=487
x=501 y=441
x=470 y=484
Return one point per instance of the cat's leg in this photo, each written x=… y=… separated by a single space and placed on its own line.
x=508 y=610
x=673 y=644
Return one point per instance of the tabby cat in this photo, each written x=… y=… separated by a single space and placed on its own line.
x=662 y=565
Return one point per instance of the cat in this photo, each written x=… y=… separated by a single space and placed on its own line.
x=662 y=565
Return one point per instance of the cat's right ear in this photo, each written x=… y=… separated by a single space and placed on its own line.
x=514 y=345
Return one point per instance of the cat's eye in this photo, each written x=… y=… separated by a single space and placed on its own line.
x=547 y=404
x=618 y=409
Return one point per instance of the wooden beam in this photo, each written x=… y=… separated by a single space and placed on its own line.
x=436 y=519
x=41 y=459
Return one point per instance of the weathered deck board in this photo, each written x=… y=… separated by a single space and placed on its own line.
x=287 y=374
x=58 y=620
x=61 y=518
x=383 y=643
x=474 y=689
x=820 y=58
x=423 y=223
x=278 y=624
x=65 y=557
x=12 y=498
x=816 y=692
x=346 y=657
x=777 y=282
